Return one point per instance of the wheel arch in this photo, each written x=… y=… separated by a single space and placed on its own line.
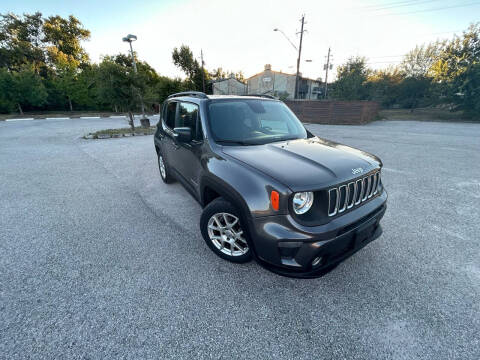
x=219 y=189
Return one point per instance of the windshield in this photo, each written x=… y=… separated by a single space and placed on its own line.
x=253 y=122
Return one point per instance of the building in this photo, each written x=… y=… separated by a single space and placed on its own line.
x=282 y=85
x=230 y=86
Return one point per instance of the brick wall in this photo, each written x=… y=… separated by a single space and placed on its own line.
x=334 y=112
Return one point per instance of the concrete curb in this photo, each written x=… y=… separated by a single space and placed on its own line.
x=113 y=136
x=78 y=117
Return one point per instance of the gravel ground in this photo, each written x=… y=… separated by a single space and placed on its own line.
x=100 y=259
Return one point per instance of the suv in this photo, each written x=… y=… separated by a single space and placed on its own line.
x=269 y=188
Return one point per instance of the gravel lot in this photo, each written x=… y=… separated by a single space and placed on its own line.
x=100 y=259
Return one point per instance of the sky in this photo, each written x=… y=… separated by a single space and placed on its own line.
x=238 y=35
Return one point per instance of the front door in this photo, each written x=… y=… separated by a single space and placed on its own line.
x=188 y=154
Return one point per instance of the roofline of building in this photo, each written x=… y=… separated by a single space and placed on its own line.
x=280 y=72
x=225 y=79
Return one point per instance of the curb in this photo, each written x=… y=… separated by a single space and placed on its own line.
x=78 y=117
x=113 y=136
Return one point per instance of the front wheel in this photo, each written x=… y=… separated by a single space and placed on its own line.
x=164 y=170
x=223 y=232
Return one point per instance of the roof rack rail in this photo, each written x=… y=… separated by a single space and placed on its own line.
x=189 y=93
x=262 y=95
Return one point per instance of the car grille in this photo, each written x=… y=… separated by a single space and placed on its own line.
x=354 y=193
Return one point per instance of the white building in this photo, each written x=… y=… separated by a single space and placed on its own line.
x=282 y=85
x=230 y=86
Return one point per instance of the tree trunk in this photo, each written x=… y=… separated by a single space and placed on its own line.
x=70 y=104
x=130 y=121
x=20 y=109
x=116 y=108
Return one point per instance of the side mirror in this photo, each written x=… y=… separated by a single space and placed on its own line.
x=183 y=134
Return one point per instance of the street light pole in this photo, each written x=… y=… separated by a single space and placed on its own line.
x=133 y=58
x=131 y=38
x=299 y=49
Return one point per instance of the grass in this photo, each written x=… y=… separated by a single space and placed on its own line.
x=123 y=131
x=423 y=114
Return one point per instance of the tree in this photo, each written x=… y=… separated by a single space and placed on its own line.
x=471 y=91
x=163 y=88
x=6 y=84
x=119 y=86
x=183 y=58
x=456 y=66
x=351 y=79
x=26 y=89
x=64 y=37
x=384 y=86
x=418 y=62
x=21 y=41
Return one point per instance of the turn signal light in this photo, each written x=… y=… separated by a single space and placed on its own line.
x=275 y=200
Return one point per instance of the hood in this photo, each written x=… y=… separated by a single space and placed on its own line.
x=306 y=164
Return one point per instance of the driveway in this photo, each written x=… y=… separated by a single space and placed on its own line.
x=100 y=259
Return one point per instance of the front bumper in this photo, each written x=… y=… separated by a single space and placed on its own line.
x=288 y=248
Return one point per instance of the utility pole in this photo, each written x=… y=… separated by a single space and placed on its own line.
x=326 y=73
x=297 y=78
x=203 y=71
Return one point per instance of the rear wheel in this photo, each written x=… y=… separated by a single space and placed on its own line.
x=223 y=232
x=164 y=170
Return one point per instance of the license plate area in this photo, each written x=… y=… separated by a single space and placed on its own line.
x=364 y=232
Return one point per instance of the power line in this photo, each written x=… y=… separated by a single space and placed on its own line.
x=387 y=4
x=409 y=4
x=435 y=9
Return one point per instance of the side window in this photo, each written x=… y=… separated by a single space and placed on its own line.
x=170 y=114
x=188 y=117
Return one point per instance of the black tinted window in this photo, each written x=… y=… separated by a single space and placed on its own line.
x=170 y=114
x=188 y=117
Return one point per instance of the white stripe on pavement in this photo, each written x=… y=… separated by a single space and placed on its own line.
x=89 y=117
x=19 y=119
x=57 y=118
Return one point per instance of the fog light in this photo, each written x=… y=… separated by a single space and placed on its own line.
x=317 y=261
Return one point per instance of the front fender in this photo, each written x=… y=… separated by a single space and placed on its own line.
x=244 y=186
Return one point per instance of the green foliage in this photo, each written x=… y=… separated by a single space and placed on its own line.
x=64 y=37
x=351 y=80
x=184 y=59
x=21 y=41
x=419 y=61
x=21 y=90
x=470 y=90
x=431 y=74
x=163 y=88
x=118 y=85
x=384 y=86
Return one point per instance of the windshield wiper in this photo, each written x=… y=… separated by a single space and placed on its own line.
x=234 y=142
x=284 y=138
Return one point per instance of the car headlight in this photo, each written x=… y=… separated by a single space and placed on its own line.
x=302 y=202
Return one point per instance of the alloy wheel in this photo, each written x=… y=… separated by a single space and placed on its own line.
x=161 y=164
x=226 y=234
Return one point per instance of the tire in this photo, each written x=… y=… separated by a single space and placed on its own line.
x=222 y=231
x=165 y=172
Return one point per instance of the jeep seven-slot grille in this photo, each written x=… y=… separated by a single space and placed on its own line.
x=346 y=196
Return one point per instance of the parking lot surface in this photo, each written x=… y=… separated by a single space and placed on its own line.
x=100 y=259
